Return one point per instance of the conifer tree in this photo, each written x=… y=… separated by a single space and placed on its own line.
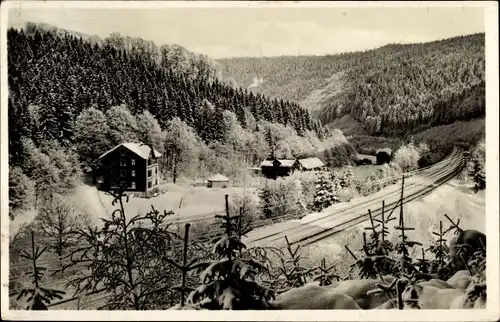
x=324 y=196
x=266 y=202
x=228 y=282
x=346 y=178
x=21 y=191
x=402 y=247
x=38 y=297
x=126 y=258
x=439 y=249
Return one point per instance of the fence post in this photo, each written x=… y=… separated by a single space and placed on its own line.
x=184 y=259
x=228 y=227
x=240 y=228
x=35 y=269
x=401 y=220
x=401 y=199
x=383 y=220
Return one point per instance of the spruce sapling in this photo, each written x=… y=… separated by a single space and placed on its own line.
x=228 y=282
x=125 y=258
x=325 y=277
x=38 y=297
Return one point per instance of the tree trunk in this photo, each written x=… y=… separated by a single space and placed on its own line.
x=59 y=254
x=174 y=174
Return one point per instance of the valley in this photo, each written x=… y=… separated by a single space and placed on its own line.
x=149 y=176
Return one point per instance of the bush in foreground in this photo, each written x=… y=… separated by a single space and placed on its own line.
x=228 y=282
x=281 y=198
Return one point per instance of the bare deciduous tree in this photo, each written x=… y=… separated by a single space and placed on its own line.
x=57 y=220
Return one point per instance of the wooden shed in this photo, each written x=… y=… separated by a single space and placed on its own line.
x=273 y=168
x=217 y=181
x=309 y=164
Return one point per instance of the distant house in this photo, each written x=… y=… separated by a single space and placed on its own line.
x=273 y=168
x=217 y=181
x=255 y=170
x=133 y=164
x=384 y=155
x=309 y=164
x=364 y=159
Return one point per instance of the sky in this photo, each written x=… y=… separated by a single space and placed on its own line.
x=232 y=32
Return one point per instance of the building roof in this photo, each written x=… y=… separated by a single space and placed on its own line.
x=140 y=149
x=218 y=178
x=386 y=150
x=283 y=163
x=311 y=163
x=370 y=157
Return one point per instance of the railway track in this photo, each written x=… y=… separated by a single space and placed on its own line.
x=307 y=231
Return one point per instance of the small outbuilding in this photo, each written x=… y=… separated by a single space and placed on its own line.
x=272 y=168
x=255 y=170
x=364 y=159
x=384 y=156
x=217 y=181
x=309 y=164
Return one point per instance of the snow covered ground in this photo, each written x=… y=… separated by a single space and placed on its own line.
x=454 y=198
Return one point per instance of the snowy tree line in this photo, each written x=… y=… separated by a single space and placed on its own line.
x=393 y=90
x=53 y=168
x=62 y=75
x=72 y=97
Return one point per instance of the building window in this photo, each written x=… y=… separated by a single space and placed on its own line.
x=132 y=161
x=156 y=182
x=149 y=173
x=156 y=170
x=123 y=162
x=132 y=185
x=149 y=161
x=132 y=173
x=150 y=184
x=123 y=173
x=155 y=161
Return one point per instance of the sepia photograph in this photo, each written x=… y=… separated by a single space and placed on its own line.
x=285 y=158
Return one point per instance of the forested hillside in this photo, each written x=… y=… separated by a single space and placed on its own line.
x=393 y=90
x=72 y=97
x=63 y=75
